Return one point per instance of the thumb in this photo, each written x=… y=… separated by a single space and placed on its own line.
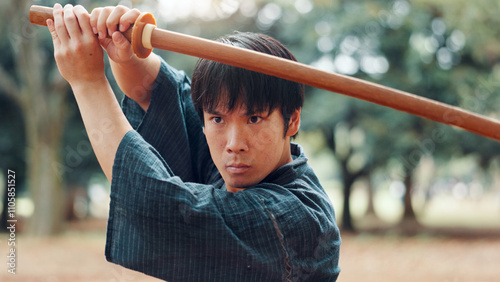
x=120 y=41
x=105 y=42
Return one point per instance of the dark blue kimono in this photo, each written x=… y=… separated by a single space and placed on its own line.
x=171 y=216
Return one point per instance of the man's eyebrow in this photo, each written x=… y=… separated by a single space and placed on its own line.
x=217 y=112
x=262 y=112
x=213 y=112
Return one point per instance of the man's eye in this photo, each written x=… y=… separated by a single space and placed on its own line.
x=217 y=120
x=255 y=119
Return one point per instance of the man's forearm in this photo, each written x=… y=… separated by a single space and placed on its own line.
x=104 y=121
x=136 y=78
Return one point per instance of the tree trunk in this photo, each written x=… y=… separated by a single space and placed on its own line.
x=409 y=213
x=45 y=180
x=370 y=211
x=348 y=180
x=42 y=101
x=409 y=223
x=4 y=218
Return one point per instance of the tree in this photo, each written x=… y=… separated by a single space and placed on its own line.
x=408 y=46
x=41 y=97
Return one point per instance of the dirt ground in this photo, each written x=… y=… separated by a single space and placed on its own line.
x=437 y=255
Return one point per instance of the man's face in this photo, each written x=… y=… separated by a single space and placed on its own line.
x=246 y=148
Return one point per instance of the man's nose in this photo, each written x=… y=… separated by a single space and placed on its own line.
x=237 y=140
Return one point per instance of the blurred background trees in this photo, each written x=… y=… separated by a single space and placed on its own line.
x=444 y=50
x=39 y=97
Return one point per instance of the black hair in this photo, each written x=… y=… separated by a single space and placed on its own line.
x=215 y=83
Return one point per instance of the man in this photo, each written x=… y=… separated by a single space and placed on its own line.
x=205 y=191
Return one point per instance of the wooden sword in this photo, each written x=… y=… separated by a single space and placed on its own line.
x=144 y=36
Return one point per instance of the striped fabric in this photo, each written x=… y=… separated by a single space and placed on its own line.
x=171 y=216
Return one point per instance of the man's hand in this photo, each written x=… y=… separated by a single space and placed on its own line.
x=79 y=57
x=78 y=54
x=134 y=76
x=111 y=21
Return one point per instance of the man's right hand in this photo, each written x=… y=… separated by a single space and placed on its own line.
x=111 y=21
x=134 y=76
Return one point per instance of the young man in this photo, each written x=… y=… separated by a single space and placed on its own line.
x=205 y=191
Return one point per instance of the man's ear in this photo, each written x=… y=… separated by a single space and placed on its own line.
x=294 y=123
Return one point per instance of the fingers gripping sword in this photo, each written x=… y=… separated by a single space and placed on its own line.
x=144 y=36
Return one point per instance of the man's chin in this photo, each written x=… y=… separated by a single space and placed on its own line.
x=243 y=184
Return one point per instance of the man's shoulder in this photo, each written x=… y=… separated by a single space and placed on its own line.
x=295 y=174
x=295 y=184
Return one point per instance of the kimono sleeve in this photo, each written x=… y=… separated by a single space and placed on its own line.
x=181 y=231
x=172 y=126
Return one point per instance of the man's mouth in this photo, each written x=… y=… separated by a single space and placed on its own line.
x=237 y=168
